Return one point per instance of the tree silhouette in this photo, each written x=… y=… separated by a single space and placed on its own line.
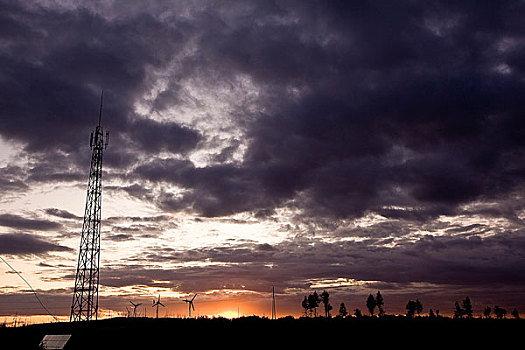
x=379 y=303
x=342 y=310
x=499 y=312
x=313 y=302
x=419 y=307
x=371 y=304
x=487 y=311
x=458 y=311
x=515 y=313
x=358 y=313
x=431 y=314
x=467 y=307
x=304 y=304
x=316 y=301
x=411 y=308
x=325 y=298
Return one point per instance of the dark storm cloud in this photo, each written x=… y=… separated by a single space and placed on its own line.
x=52 y=79
x=61 y=213
x=399 y=105
x=19 y=222
x=53 y=167
x=12 y=180
x=361 y=107
x=119 y=237
x=154 y=137
x=213 y=191
x=464 y=259
x=137 y=227
x=24 y=244
x=154 y=219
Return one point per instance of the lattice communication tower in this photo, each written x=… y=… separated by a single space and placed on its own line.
x=85 y=296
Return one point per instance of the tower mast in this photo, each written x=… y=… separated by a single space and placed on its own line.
x=85 y=296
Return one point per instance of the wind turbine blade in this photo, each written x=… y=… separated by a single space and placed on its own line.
x=193 y=307
x=161 y=304
x=194 y=297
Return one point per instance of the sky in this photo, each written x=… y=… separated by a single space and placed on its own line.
x=346 y=146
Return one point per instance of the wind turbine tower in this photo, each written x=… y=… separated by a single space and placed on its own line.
x=190 y=304
x=85 y=296
x=135 y=306
x=157 y=303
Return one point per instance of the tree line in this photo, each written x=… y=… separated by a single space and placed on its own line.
x=464 y=309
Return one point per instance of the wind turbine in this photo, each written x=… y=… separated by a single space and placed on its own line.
x=190 y=304
x=157 y=303
x=135 y=308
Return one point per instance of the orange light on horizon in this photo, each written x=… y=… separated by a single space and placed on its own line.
x=228 y=314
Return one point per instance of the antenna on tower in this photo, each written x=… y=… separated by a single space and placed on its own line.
x=101 y=102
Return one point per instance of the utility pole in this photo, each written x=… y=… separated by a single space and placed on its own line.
x=85 y=296
x=274 y=314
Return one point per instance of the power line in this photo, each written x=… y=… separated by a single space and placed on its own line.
x=36 y=295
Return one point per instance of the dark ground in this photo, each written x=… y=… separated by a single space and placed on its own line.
x=254 y=332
